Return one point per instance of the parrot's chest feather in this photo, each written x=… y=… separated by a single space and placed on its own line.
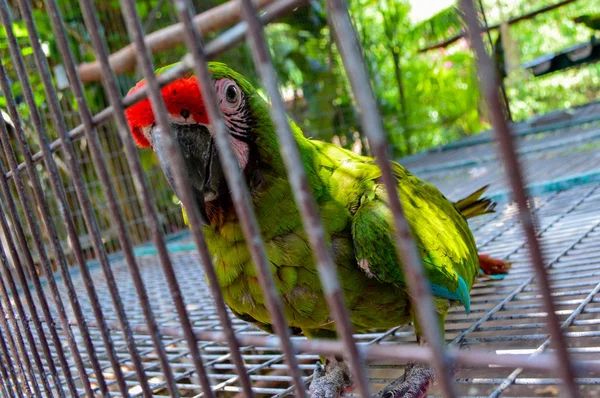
x=292 y=267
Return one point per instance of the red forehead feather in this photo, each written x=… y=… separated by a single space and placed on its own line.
x=181 y=94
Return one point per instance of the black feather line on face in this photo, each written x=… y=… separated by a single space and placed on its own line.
x=240 y=137
x=242 y=125
x=239 y=121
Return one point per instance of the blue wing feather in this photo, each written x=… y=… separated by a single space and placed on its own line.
x=461 y=294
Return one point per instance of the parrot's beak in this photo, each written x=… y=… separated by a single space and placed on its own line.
x=201 y=162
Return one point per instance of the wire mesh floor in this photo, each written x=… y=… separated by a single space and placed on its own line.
x=506 y=315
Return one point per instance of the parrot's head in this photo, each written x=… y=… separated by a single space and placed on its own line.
x=242 y=110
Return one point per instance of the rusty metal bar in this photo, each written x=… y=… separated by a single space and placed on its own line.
x=91 y=21
x=6 y=312
x=144 y=192
x=394 y=353
x=7 y=366
x=194 y=42
x=103 y=174
x=8 y=276
x=143 y=55
x=58 y=190
x=240 y=194
x=5 y=383
x=302 y=192
x=31 y=222
x=8 y=386
x=8 y=201
x=82 y=196
x=422 y=299
x=490 y=88
x=488 y=34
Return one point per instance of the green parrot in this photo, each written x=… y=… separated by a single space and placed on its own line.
x=353 y=206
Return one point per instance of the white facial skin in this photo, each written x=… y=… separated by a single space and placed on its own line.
x=231 y=103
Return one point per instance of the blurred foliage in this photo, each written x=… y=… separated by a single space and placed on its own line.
x=425 y=99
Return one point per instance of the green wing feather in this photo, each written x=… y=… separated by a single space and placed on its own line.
x=441 y=233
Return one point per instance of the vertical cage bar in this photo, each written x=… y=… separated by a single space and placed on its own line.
x=83 y=198
x=93 y=25
x=240 y=195
x=103 y=174
x=490 y=84
x=8 y=276
x=136 y=34
x=302 y=191
x=20 y=353
x=57 y=188
x=7 y=363
x=25 y=251
x=194 y=43
x=422 y=298
x=5 y=383
x=150 y=209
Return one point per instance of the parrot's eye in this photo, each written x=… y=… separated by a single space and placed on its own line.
x=231 y=94
x=184 y=113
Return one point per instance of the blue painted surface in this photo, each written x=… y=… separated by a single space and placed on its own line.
x=558 y=185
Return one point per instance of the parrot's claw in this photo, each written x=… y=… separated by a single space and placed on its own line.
x=415 y=383
x=329 y=382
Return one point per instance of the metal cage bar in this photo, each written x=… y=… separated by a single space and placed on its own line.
x=91 y=20
x=14 y=292
x=490 y=84
x=302 y=192
x=143 y=57
x=102 y=170
x=473 y=357
x=6 y=312
x=82 y=196
x=17 y=367
x=47 y=222
x=7 y=360
x=422 y=298
x=8 y=201
x=57 y=187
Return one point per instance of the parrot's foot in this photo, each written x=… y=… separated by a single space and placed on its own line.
x=493 y=266
x=329 y=380
x=415 y=383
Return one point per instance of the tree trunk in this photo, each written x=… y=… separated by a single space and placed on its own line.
x=403 y=111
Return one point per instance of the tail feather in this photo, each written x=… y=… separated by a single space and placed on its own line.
x=474 y=205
